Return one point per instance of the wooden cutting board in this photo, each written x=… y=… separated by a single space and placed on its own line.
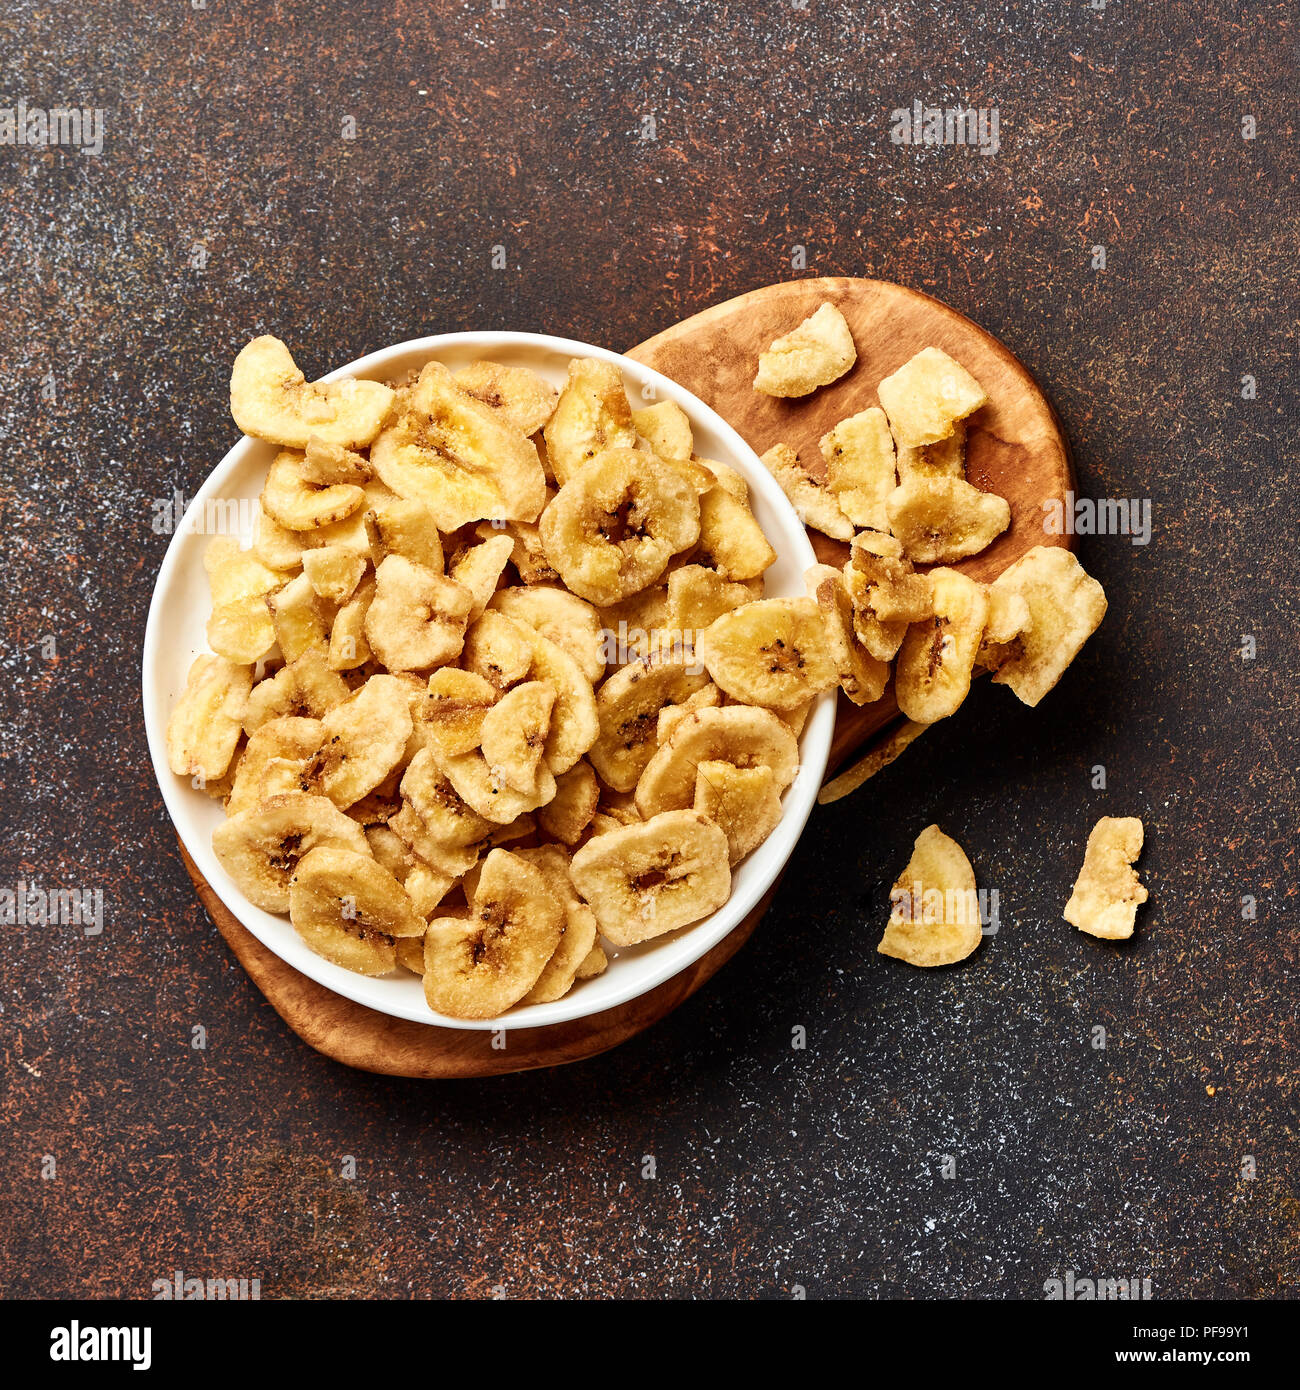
x=1015 y=447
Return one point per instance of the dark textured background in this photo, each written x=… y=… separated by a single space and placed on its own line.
x=775 y=1167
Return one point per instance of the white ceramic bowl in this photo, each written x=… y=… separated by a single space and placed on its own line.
x=175 y=635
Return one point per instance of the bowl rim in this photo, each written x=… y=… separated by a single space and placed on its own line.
x=798 y=800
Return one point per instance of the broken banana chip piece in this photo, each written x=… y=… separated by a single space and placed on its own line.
x=887 y=594
x=569 y=811
x=300 y=505
x=333 y=572
x=206 y=723
x=667 y=430
x=820 y=350
x=653 y=877
x=1107 y=892
x=451 y=719
x=697 y=597
x=744 y=802
x=774 y=652
x=278 y=740
x=859 y=454
x=498 y=649
x=613 y=527
x=395 y=526
x=348 y=908
x=886 y=751
x=1066 y=605
x=862 y=676
x=443 y=815
x=363 y=740
x=591 y=417
x=926 y=397
x=628 y=705
x=260 y=848
x=488 y=793
x=731 y=540
x=567 y=620
x=271 y=399
x=940 y=519
x=737 y=734
x=946 y=458
x=417 y=618
x=483 y=965
x=580 y=934
x=575 y=724
x=935 y=915
x=514 y=733
x=816 y=505
x=457 y=456
x=933 y=672
x=1008 y=619
x=522 y=398
x=479 y=569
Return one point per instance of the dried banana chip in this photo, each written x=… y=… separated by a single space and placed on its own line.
x=876 y=578
x=480 y=967
x=417 y=618
x=457 y=456
x=926 y=397
x=514 y=733
x=820 y=350
x=388 y=849
x=613 y=527
x=498 y=649
x=1008 y=619
x=292 y=499
x=284 y=739
x=946 y=458
x=396 y=526
x=597 y=963
x=859 y=454
x=1107 y=892
x=575 y=723
x=738 y=734
x=697 y=597
x=940 y=519
x=567 y=620
x=453 y=713
x=862 y=676
x=775 y=652
x=1066 y=605
x=426 y=888
x=364 y=739
x=242 y=631
x=628 y=706
x=455 y=861
x=351 y=910
x=317 y=687
x=444 y=816
x=300 y=618
x=570 y=810
x=817 y=507
x=479 y=569
x=348 y=647
x=276 y=697
x=579 y=936
x=667 y=430
x=333 y=572
x=491 y=795
x=260 y=848
x=935 y=914
x=524 y=400
x=276 y=546
x=933 y=672
x=205 y=725
x=731 y=540
x=527 y=555
x=743 y=802
x=728 y=479
x=882 y=753
x=325 y=464
x=706 y=697
x=647 y=879
x=271 y=399
x=591 y=417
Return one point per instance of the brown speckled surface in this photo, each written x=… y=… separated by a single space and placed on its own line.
x=774 y=1167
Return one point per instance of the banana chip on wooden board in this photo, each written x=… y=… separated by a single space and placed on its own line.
x=927 y=396
x=1107 y=892
x=820 y=350
x=935 y=914
x=816 y=504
